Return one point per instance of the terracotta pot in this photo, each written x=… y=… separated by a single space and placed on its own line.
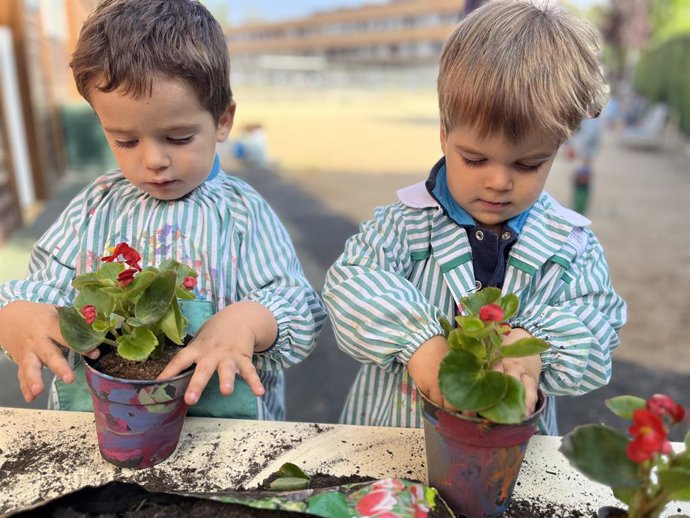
x=473 y=463
x=138 y=423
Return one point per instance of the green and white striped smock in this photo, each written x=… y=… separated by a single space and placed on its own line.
x=224 y=229
x=411 y=264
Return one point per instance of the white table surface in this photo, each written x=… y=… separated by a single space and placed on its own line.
x=60 y=454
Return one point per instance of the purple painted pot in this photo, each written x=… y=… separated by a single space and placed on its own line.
x=138 y=422
x=473 y=463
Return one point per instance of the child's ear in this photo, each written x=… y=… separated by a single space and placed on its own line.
x=443 y=140
x=225 y=122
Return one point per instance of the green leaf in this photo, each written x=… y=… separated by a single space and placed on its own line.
x=142 y=280
x=138 y=346
x=473 y=327
x=676 y=481
x=624 y=494
x=85 y=279
x=474 y=302
x=511 y=409
x=510 y=304
x=687 y=442
x=598 y=451
x=524 y=347
x=155 y=301
x=174 y=323
x=88 y=295
x=466 y=385
x=79 y=335
x=108 y=272
x=184 y=294
x=289 y=484
x=446 y=326
x=182 y=270
x=624 y=406
x=103 y=326
x=292 y=470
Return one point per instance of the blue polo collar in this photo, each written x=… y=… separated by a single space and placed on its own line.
x=215 y=168
x=437 y=186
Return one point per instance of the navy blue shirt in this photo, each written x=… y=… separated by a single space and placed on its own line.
x=489 y=250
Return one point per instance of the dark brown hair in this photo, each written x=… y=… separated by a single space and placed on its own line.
x=512 y=67
x=130 y=43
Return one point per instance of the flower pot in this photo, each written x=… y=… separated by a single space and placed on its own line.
x=474 y=463
x=138 y=422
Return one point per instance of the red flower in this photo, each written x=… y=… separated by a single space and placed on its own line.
x=130 y=255
x=491 y=313
x=126 y=276
x=662 y=405
x=189 y=282
x=649 y=436
x=89 y=313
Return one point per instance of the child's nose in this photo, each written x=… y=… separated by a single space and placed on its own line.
x=154 y=156
x=499 y=178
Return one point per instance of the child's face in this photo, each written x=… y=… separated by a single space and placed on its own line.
x=164 y=144
x=492 y=178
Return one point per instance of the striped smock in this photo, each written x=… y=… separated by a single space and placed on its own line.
x=410 y=265
x=224 y=229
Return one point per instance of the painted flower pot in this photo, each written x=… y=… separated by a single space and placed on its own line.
x=474 y=463
x=138 y=423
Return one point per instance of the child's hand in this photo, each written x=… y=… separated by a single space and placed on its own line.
x=30 y=332
x=423 y=368
x=226 y=343
x=527 y=369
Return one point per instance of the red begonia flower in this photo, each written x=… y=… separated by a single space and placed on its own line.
x=491 y=313
x=130 y=255
x=662 y=405
x=189 y=282
x=89 y=313
x=649 y=436
x=126 y=276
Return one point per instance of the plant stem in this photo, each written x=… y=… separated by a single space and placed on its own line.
x=110 y=342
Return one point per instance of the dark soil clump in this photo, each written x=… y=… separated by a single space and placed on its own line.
x=321 y=480
x=536 y=508
x=109 y=362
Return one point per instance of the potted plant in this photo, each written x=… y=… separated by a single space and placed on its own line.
x=474 y=454
x=642 y=470
x=132 y=315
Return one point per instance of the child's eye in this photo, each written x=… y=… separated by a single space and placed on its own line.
x=180 y=141
x=473 y=163
x=125 y=144
x=528 y=167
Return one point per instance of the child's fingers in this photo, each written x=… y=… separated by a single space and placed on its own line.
x=202 y=374
x=182 y=360
x=249 y=374
x=30 y=379
x=55 y=360
x=226 y=376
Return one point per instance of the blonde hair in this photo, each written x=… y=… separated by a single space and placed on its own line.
x=131 y=43
x=512 y=67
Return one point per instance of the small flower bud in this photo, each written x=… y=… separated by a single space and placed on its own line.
x=491 y=313
x=189 y=282
x=89 y=313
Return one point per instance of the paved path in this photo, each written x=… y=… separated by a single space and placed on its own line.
x=638 y=197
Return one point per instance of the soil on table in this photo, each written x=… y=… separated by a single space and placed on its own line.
x=320 y=480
